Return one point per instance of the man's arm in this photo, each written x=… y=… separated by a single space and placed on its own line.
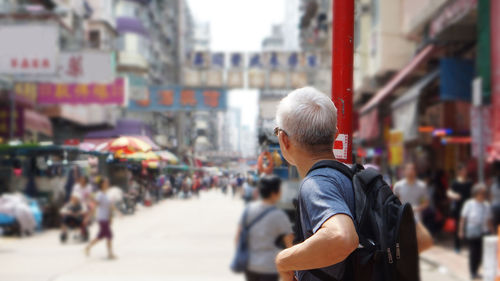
x=288 y=240
x=423 y=205
x=331 y=244
x=237 y=237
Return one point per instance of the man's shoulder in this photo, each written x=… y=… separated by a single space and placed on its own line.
x=421 y=184
x=325 y=174
x=400 y=183
x=325 y=180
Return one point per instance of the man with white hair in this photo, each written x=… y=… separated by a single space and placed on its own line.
x=307 y=126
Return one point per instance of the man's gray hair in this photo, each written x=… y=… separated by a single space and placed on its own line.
x=308 y=116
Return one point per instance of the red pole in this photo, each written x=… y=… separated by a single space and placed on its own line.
x=342 y=71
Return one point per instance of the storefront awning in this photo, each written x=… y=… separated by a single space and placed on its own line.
x=369 y=125
x=127 y=24
x=36 y=122
x=415 y=91
x=398 y=78
x=405 y=108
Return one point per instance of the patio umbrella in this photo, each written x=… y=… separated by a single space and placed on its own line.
x=87 y=146
x=141 y=156
x=168 y=156
x=125 y=145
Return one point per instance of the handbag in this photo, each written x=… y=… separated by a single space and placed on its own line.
x=450 y=225
x=242 y=256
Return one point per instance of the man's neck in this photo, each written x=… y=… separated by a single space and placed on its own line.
x=305 y=164
x=268 y=201
x=411 y=181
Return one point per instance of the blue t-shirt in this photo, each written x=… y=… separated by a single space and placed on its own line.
x=324 y=193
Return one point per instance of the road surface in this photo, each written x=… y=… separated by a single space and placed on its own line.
x=174 y=240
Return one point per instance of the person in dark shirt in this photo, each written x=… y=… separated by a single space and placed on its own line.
x=459 y=192
x=72 y=215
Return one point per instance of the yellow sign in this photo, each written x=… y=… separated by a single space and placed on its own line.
x=396 y=148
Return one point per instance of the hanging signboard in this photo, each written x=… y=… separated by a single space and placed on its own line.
x=256 y=79
x=86 y=67
x=486 y=134
x=5 y=121
x=298 y=79
x=176 y=98
x=237 y=60
x=277 y=79
x=29 y=49
x=214 y=78
x=27 y=91
x=191 y=77
x=235 y=79
x=396 y=148
x=94 y=93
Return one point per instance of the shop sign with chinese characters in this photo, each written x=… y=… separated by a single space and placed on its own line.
x=81 y=93
x=5 y=121
x=162 y=98
x=29 y=49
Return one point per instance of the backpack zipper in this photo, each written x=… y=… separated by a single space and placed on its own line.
x=389 y=255
x=398 y=252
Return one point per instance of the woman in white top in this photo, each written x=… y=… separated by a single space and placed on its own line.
x=83 y=189
x=104 y=215
x=475 y=222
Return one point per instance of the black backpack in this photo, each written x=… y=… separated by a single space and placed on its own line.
x=387 y=233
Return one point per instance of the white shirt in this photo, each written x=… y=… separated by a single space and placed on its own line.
x=103 y=207
x=476 y=215
x=83 y=192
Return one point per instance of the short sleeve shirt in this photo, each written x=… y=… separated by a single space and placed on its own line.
x=323 y=194
x=103 y=207
x=263 y=236
x=476 y=214
x=411 y=193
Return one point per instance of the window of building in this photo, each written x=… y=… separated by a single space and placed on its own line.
x=95 y=39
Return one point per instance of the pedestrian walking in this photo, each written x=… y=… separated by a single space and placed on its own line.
x=104 y=214
x=233 y=181
x=412 y=190
x=269 y=231
x=459 y=192
x=249 y=191
x=475 y=222
x=306 y=130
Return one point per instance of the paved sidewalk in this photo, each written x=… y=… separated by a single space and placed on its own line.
x=448 y=262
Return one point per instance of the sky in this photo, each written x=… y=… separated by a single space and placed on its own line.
x=239 y=25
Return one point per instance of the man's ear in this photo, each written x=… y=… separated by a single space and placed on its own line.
x=285 y=140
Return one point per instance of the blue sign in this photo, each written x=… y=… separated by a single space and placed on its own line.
x=456 y=79
x=255 y=61
x=176 y=98
x=312 y=60
x=218 y=60
x=199 y=59
x=236 y=60
x=273 y=60
x=293 y=60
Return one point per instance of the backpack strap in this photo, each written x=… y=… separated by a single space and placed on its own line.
x=368 y=175
x=321 y=275
x=349 y=173
x=259 y=217
x=333 y=164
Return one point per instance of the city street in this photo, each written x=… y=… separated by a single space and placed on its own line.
x=174 y=240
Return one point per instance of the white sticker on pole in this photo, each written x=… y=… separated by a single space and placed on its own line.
x=340 y=146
